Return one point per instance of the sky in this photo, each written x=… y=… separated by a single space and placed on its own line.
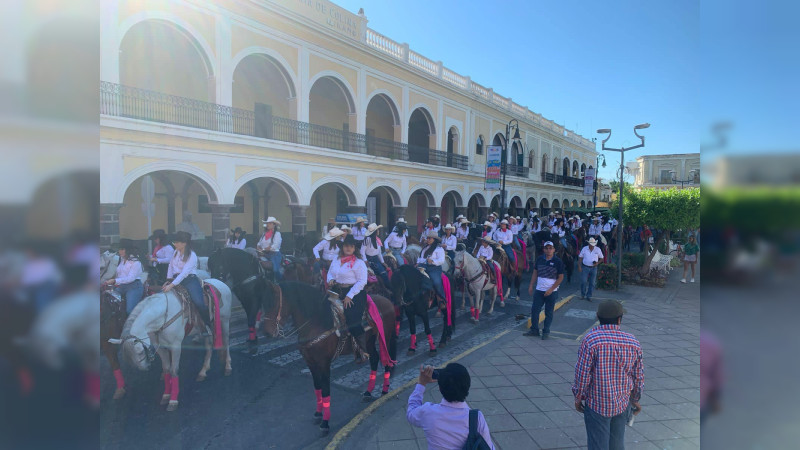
x=585 y=65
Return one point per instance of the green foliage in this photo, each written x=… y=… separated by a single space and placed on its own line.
x=761 y=210
x=607 y=276
x=632 y=260
x=671 y=209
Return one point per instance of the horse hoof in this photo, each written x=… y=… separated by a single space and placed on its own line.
x=411 y=352
x=173 y=405
x=317 y=418
x=503 y=304
x=367 y=397
x=164 y=399
x=119 y=393
x=442 y=344
x=432 y=352
x=384 y=393
x=228 y=372
x=324 y=427
x=472 y=319
x=200 y=378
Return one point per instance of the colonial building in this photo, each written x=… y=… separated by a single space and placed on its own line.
x=296 y=109
x=659 y=171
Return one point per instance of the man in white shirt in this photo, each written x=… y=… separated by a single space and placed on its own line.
x=590 y=257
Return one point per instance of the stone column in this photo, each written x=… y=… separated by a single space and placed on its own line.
x=220 y=224
x=299 y=216
x=109 y=224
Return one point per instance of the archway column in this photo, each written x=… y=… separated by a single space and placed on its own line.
x=220 y=224
x=109 y=224
x=299 y=220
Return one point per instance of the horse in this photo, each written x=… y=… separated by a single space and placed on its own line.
x=317 y=338
x=246 y=277
x=512 y=272
x=159 y=322
x=530 y=249
x=112 y=320
x=469 y=268
x=407 y=293
x=108 y=265
x=412 y=253
x=298 y=269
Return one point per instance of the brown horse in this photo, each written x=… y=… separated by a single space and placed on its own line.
x=316 y=336
x=512 y=275
x=112 y=319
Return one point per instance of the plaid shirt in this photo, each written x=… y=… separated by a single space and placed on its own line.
x=609 y=373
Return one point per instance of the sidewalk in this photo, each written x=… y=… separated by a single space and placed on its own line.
x=522 y=385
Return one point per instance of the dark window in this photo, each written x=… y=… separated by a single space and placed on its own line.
x=479 y=146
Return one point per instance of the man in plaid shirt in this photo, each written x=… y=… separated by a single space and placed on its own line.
x=609 y=378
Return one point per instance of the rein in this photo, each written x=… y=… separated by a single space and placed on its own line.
x=150 y=350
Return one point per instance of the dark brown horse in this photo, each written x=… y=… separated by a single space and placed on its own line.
x=316 y=336
x=112 y=319
x=408 y=294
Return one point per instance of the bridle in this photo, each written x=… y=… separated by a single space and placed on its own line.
x=278 y=329
x=150 y=350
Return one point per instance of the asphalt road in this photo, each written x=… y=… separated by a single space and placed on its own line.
x=269 y=401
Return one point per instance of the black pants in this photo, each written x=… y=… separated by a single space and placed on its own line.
x=354 y=314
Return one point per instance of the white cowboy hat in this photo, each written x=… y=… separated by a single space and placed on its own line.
x=360 y=220
x=504 y=221
x=437 y=216
x=401 y=220
x=518 y=218
x=432 y=234
x=449 y=226
x=333 y=233
x=487 y=224
x=345 y=228
x=271 y=219
x=592 y=241
x=488 y=239
x=373 y=227
x=463 y=220
x=595 y=218
x=491 y=215
x=535 y=214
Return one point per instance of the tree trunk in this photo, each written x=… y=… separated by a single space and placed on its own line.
x=645 y=269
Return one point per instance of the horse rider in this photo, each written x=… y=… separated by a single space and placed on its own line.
x=492 y=222
x=462 y=233
x=331 y=224
x=371 y=253
x=595 y=229
x=348 y=277
x=396 y=241
x=183 y=270
x=431 y=259
x=329 y=246
x=237 y=239
x=449 y=241
x=161 y=256
x=504 y=237
x=535 y=225
x=558 y=228
x=128 y=280
x=359 y=229
x=437 y=226
x=270 y=245
x=346 y=230
x=485 y=251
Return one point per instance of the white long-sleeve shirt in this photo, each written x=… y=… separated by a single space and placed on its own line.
x=180 y=269
x=437 y=257
x=449 y=242
x=164 y=255
x=358 y=233
x=557 y=230
x=344 y=274
x=503 y=237
x=594 y=230
x=395 y=241
x=367 y=249
x=486 y=252
x=328 y=254
x=128 y=271
x=274 y=246
x=241 y=245
x=494 y=225
x=462 y=233
x=535 y=227
x=607 y=227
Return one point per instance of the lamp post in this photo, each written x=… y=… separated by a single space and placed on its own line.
x=597 y=180
x=687 y=181
x=621 y=151
x=503 y=164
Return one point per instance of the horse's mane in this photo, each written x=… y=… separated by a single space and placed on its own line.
x=309 y=300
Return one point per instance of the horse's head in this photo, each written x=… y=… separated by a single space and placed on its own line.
x=216 y=265
x=459 y=260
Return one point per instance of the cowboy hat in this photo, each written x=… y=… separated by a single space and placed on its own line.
x=127 y=244
x=271 y=219
x=401 y=225
x=345 y=228
x=437 y=216
x=333 y=233
x=504 y=221
x=182 y=236
x=449 y=227
x=488 y=240
x=360 y=220
x=535 y=214
x=432 y=235
x=373 y=227
x=487 y=224
x=401 y=220
x=592 y=241
x=460 y=216
x=463 y=221
x=237 y=230
x=160 y=233
x=518 y=218
x=491 y=214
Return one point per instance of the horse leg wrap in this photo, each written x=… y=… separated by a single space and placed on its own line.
x=173 y=397
x=386 y=376
x=318 y=393
x=326 y=408
x=430 y=342
x=371 y=385
x=119 y=378
x=414 y=341
x=92 y=380
x=252 y=336
x=258 y=317
x=472 y=311
x=477 y=314
x=167 y=383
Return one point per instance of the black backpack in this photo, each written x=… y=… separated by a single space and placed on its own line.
x=474 y=439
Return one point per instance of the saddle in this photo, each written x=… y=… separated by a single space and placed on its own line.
x=340 y=324
x=189 y=309
x=488 y=271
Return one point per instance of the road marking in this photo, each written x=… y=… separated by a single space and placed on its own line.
x=355 y=421
x=581 y=313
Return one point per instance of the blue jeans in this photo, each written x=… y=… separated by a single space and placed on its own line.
x=588 y=276
x=510 y=253
x=435 y=272
x=549 y=303
x=398 y=255
x=132 y=293
x=605 y=433
x=195 y=288
x=380 y=271
x=277 y=259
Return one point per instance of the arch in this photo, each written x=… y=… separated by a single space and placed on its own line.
x=331 y=101
x=390 y=101
x=531 y=203
x=556 y=204
x=544 y=206
x=589 y=204
x=268 y=70
x=565 y=203
x=516 y=202
x=574 y=203
x=479 y=198
x=516 y=156
x=459 y=202
x=583 y=170
x=565 y=167
x=453 y=144
x=575 y=168
x=282 y=63
x=340 y=81
x=289 y=186
x=391 y=189
x=419 y=119
x=583 y=203
x=347 y=187
x=427 y=192
x=555 y=165
x=531 y=160
x=214 y=191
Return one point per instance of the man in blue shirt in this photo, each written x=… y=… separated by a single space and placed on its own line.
x=548 y=273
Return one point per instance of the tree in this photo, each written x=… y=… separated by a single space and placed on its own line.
x=665 y=211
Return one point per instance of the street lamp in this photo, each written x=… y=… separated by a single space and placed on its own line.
x=690 y=180
x=503 y=168
x=621 y=150
x=596 y=180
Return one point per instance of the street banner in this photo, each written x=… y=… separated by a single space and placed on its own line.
x=588 y=182
x=493 y=155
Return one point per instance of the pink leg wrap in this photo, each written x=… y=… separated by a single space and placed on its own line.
x=175 y=389
x=252 y=336
x=472 y=311
x=397 y=326
x=92 y=380
x=414 y=341
x=430 y=342
x=318 y=393
x=258 y=316
x=326 y=408
x=167 y=383
x=120 y=379
x=477 y=314
x=386 y=376
x=371 y=385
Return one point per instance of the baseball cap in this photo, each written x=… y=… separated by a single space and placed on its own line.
x=546 y=243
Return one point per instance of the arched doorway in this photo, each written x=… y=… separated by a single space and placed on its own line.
x=565 y=168
x=544 y=207
x=421 y=135
x=383 y=126
x=418 y=209
x=328 y=200
x=452 y=145
x=515 y=206
x=575 y=169
x=544 y=164
x=476 y=201
x=381 y=202
x=583 y=203
x=332 y=111
x=451 y=204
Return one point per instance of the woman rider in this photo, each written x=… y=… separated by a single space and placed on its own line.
x=449 y=241
x=183 y=270
x=396 y=241
x=237 y=239
x=504 y=237
x=160 y=258
x=347 y=277
x=329 y=246
x=431 y=258
x=270 y=245
x=128 y=280
x=371 y=252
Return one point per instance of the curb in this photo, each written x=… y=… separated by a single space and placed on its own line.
x=355 y=421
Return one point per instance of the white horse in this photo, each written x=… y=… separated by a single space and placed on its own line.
x=469 y=268
x=158 y=322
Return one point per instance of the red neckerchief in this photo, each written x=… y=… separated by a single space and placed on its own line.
x=430 y=227
x=155 y=250
x=268 y=234
x=349 y=259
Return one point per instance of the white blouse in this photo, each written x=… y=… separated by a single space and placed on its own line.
x=449 y=242
x=128 y=271
x=486 y=252
x=558 y=230
x=395 y=241
x=462 y=233
x=594 y=230
x=180 y=269
x=164 y=255
x=437 y=257
x=607 y=227
x=275 y=246
x=328 y=254
x=344 y=274
x=241 y=245
x=358 y=233
x=503 y=237
x=368 y=250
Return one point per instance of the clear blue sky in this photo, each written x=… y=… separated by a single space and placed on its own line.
x=585 y=65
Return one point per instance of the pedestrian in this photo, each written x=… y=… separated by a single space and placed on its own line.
x=609 y=377
x=644 y=238
x=690 y=251
x=591 y=257
x=446 y=424
x=548 y=273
